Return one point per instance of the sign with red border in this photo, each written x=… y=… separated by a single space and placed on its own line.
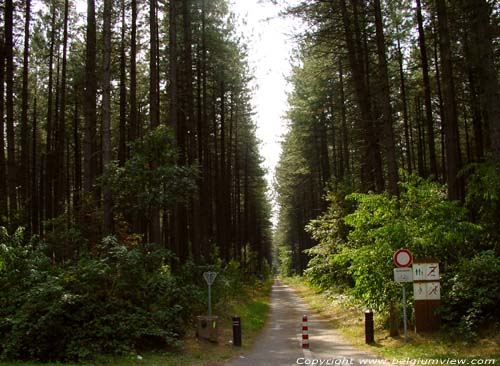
x=403 y=258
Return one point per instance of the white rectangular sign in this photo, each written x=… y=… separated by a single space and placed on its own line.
x=403 y=275
x=427 y=290
x=426 y=271
x=433 y=291
x=420 y=290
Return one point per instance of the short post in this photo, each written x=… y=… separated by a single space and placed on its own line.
x=236 y=331
x=305 y=333
x=369 y=331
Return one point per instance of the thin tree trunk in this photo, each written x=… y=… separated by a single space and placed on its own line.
x=343 y=111
x=154 y=112
x=188 y=121
x=60 y=141
x=392 y=167
x=427 y=93
x=122 y=144
x=3 y=165
x=133 y=126
x=77 y=192
x=90 y=142
x=48 y=192
x=35 y=197
x=106 y=115
x=9 y=102
x=440 y=98
x=174 y=102
x=402 y=88
x=25 y=166
x=450 y=109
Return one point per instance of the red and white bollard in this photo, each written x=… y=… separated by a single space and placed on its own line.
x=305 y=332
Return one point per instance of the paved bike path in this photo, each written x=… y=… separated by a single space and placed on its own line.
x=279 y=344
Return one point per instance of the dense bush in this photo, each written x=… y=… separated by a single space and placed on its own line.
x=356 y=248
x=123 y=301
x=472 y=292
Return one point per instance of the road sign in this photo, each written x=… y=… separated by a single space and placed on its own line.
x=426 y=272
x=403 y=275
x=403 y=258
x=433 y=291
x=420 y=290
x=427 y=290
x=209 y=277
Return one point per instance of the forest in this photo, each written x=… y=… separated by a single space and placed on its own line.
x=393 y=142
x=129 y=165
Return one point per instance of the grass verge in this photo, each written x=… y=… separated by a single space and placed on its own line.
x=251 y=304
x=349 y=320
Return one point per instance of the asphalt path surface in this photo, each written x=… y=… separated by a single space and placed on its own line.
x=279 y=344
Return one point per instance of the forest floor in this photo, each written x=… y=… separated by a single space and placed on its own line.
x=251 y=304
x=349 y=321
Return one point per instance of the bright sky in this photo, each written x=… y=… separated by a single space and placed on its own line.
x=270 y=47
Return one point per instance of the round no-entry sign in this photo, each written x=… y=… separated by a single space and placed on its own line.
x=403 y=258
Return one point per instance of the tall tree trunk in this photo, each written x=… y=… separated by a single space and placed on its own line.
x=402 y=88
x=420 y=138
x=25 y=163
x=449 y=103
x=122 y=143
x=35 y=195
x=205 y=189
x=221 y=183
x=154 y=110
x=106 y=115
x=77 y=189
x=440 y=99
x=48 y=187
x=9 y=102
x=392 y=167
x=3 y=165
x=427 y=92
x=174 y=102
x=90 y=137
x=484 y=64
x=192 y=220
x=343 y=111
x=133 y=126
x=60 y=140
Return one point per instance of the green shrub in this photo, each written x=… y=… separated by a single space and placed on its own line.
x=125 y=301
x=471 y=292
x=422 y=220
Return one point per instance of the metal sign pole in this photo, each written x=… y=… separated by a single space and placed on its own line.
x=209 y=278
x=209 y=300
x=404 y=313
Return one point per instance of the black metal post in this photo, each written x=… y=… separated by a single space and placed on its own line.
x=369 y=332
x=236 y=331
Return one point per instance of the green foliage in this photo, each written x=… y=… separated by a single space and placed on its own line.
x=285 y=261
x=151 y=178
x=472 y=292
x=126 y=300
x=421 y=220
x=327 y=266
x=483 y=198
